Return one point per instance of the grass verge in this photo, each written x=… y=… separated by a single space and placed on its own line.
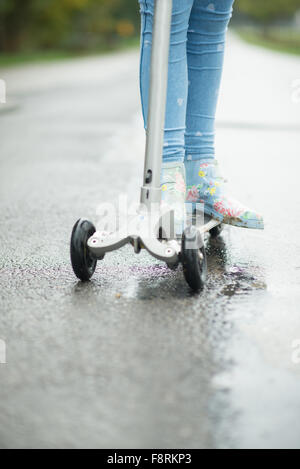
x=7 y=60
x=278 y=39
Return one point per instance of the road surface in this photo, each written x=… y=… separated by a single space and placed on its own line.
x=134 y=359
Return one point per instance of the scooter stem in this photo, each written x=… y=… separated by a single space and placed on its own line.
x=151 y=191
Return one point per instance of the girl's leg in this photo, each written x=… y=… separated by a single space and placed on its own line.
x=205 y=56
x=173 y=170
x=174 y=142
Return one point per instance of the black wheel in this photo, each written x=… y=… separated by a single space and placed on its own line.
x=216 y=231
x=83 y=263
x=193 y=258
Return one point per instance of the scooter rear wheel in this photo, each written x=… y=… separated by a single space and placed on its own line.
x=83 y=263
x=216 y=231
x=193 y=257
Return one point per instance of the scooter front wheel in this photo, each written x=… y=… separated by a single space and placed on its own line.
x=83 y=263
x=193 y=257
x=216 y=231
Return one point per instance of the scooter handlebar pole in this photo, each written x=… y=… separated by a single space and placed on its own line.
x=151 y=192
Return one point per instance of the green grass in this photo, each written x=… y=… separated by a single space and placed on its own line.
x=25 y=57
x=282 y=40
x=7 y=60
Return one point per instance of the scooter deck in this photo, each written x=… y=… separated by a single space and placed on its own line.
x=207 y=223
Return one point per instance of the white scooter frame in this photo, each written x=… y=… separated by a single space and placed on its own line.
x=142 y=230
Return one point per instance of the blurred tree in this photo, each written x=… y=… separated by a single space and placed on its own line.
x=26 y=21
x=65 y=23
x=84 y=24
x=14 y=15
x=52 y=20
x=268 y=11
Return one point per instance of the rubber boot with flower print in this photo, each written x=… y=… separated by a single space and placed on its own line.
x=174 y=192
x=205 y=185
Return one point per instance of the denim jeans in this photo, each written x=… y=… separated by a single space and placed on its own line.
x=196 y=57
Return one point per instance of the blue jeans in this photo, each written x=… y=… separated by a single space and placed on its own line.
x=195 y=67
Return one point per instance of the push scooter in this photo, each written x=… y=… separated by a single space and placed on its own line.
x=148 y=228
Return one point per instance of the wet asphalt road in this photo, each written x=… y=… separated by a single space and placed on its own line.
x=134 y=359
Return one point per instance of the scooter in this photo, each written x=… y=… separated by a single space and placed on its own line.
x=150 y=228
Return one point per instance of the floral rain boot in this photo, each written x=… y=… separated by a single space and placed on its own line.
x=205 y=185
x=174 y=192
